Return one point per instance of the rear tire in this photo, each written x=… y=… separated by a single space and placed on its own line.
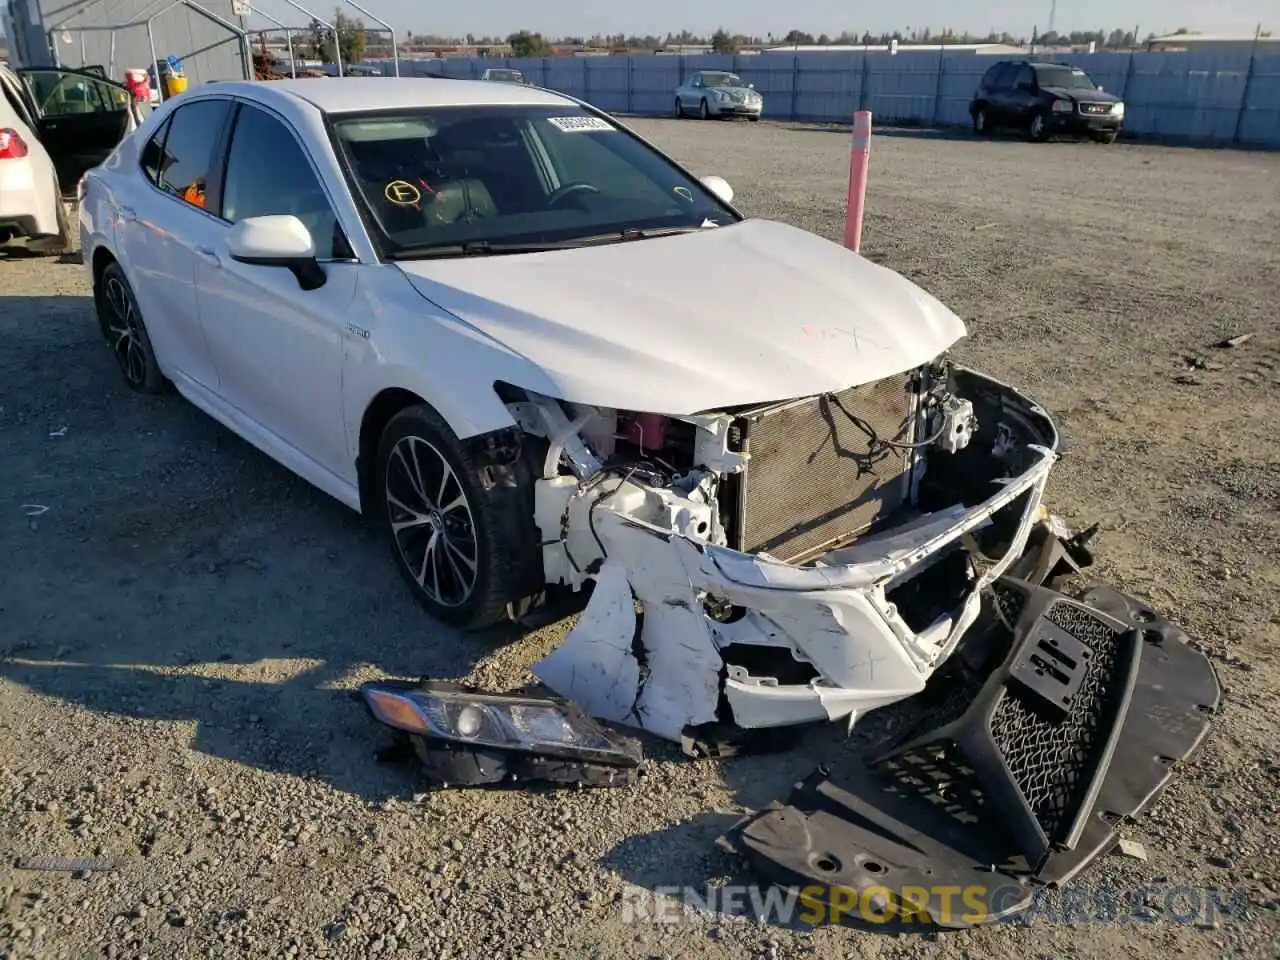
x=126 y=333
x=461 y=532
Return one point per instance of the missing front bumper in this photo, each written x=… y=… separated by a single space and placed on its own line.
x=1015 y=777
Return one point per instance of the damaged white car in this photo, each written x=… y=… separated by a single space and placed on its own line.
x=539 y=354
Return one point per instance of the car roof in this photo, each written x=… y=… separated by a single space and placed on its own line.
x=356 y=94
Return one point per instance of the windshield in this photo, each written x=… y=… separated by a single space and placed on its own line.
x=1067 y=78
x=446 y=176
x=722 y=80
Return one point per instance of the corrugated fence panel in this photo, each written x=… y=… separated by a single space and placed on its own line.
x=1260 y=118
x=653 y=84
x=1186 y=96
x=902 y=88
x=961 y=73
x=829 y=86
x=608 y=83
x=1204 y=97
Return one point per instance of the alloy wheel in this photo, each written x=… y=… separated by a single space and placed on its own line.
x=431 y=521
x=124 y=332
x=1037 y=127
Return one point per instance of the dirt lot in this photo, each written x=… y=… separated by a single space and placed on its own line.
x=180 y=629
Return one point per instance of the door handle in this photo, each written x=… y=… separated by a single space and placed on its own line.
x=128 y=214
x=209 y=255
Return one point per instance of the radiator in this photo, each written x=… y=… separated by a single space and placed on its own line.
x=812 y=482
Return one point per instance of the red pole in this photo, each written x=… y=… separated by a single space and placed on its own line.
x=858 y=161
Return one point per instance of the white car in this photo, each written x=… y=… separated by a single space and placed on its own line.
x=709 y=94
x=502 y=75
x=54 y=125
x=537 y=353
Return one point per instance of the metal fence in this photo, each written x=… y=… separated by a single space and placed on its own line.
x=1211 y=98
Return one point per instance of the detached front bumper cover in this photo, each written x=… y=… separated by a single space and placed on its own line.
x=1044 y=731
x=467 y=737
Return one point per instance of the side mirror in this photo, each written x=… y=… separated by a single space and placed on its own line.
x=1099 y=86
x=277 y=241
x=751 y=86
x=718 y=186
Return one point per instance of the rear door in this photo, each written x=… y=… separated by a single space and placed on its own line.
x=80 y=117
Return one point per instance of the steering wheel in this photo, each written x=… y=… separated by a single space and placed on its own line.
x=569 y=190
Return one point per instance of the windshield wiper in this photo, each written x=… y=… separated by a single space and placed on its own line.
x=482 y=248
x=474 y=248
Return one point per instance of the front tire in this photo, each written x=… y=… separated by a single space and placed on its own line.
x=1038 y=129
x=679 y=111
x=982 y=122
x=126 y=332
x=1107 y=137
x=703 y=112
x=461 y=532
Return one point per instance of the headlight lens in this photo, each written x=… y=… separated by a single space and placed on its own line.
x=1063 y=106
x=521 y=722
x=722 y=96
x=1117 y=109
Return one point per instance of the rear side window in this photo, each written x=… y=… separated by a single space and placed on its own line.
x=194 y=132
x=153 y=153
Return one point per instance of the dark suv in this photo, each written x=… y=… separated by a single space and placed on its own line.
x=1042 y=99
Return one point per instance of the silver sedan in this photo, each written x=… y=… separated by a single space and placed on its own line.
x=718 y=93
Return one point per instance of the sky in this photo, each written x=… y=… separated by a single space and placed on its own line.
x=761 y=17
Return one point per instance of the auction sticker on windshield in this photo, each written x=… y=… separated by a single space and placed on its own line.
x=580 y=124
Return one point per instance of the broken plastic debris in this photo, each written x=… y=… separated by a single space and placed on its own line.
x=1132 y=849
x=1234 y=341
x=60 y=432
x=34 y=509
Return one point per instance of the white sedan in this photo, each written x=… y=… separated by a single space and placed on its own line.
x=55 y=124
x=538 y=354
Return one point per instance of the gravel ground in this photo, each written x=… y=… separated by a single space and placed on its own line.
x=180 y=630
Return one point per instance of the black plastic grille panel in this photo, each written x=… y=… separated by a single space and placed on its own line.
x=815 y=477
x=1052 y=762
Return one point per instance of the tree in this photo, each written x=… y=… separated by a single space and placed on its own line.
x=723 y=42
x=798 y=37
x=824 y=41
x=526 y=44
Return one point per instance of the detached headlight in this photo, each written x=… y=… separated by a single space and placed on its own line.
x=1063 y=106
x=1117 y=109
x=466 y=736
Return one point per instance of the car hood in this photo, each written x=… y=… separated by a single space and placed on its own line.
x=753 y=312
x=1088 y=96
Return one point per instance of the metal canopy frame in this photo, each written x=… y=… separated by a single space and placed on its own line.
x=279 y=27
x=242 y=34
x=148 y=22
x=337 y=41
x=395 y=52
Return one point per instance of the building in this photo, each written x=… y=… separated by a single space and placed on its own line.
x=978 y=48
x=1214 y=43
x=114 y=34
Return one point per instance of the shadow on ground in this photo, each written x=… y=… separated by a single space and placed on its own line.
x=170 y=571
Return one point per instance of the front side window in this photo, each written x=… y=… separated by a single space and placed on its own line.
x=268 y=173
x=194 y=131
x=513 y=174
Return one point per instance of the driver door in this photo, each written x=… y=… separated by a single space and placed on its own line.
x=80 y=117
